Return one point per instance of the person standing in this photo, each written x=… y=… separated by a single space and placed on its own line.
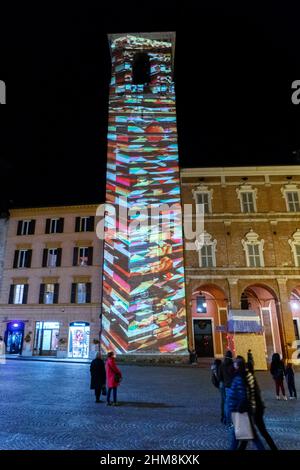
x=239 y=399
x=290 y=378
x=215 y=379
x=226 y=375
x=277 y=371
x=98 y=376
x=114 y=377
x=250 y=361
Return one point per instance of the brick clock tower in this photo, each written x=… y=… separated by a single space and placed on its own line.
x=143 y=310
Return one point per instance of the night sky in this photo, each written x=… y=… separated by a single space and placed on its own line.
x=234 y=66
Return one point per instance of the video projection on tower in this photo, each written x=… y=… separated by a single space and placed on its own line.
x=143 y=307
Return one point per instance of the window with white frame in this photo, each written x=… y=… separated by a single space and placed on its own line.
x=22 y=258
x=206 y=248
x=81 y=293
x=54 y=225
x=291 y=193
x=295 y=247
x=18 y=293
x=25 y=228
x=49 y=294
x=203 y=197
x=84 y=224
x=83 y=256
x=253 y=250
x=52 y=257
x=247 y=196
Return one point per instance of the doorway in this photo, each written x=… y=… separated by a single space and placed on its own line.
x=79 y=339
x=203 y=338
x=14 y=337
x=46 y=338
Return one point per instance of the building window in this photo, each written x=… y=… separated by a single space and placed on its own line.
x=81 y=293
x=18 y=294
x=49 y=293
x=84 y=224
x=203 y=198
x=83 y=256
x=26 y=227
x=291 y=193
x=52 y=257
x=206 y=248
x=254 y=250
x=296 y=329
x=295 y=247
x=247 y=196
x=54 y=225
x=22 y=258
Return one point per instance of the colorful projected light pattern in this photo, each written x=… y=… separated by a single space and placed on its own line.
x=143 y=273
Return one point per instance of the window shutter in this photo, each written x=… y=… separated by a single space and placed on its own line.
x=91 y=223
x=45 y=258
x=77 y=224
x=28 y=258
x=60 y=225
x=11 y=294
x=25 y=295
x=42 y=292
x=58 y=259
x=88 y=292
x=90 y=256
x=56 y=292
x=16 y=259
x=32 y=227
x=73 y=293
x=75 y=256
x=19 y=229
x=48 y=221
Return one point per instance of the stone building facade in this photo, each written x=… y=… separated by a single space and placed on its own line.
x=51 y=291
x=3 y=230
x=246 y=256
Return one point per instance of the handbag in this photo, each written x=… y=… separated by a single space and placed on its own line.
x=242 y=426
x=117 y=378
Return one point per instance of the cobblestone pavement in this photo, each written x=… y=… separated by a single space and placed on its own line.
x=50 y=406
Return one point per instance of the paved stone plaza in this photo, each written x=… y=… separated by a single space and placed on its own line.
x=46 y=405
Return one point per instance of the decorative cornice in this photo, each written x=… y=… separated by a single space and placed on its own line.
x=38 y=211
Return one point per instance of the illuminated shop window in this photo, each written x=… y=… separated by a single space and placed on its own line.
x=253 y=250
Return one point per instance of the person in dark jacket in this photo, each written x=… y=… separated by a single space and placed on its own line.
x=250 y=361
x=257 y=408
x=290 y=378
x=98 y=376
x=277 y=371
x=226 y=375
x=239 y=400
x=215 y=379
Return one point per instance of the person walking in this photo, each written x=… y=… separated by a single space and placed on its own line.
x=114 y=377
x=290 y=378
x=257 y=411
x=98 y=376
x=277 y=371
x=215 y=379
x=240 y=400
x=226 y=375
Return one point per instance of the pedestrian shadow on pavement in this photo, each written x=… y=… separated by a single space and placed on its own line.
x=143 y=404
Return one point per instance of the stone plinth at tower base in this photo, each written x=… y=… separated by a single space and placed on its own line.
x=153 y=358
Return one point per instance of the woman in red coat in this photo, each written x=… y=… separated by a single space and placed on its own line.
x=114 y=377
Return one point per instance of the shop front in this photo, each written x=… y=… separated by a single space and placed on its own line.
x=14 y=336
x=79 y=340
x=46 y=338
